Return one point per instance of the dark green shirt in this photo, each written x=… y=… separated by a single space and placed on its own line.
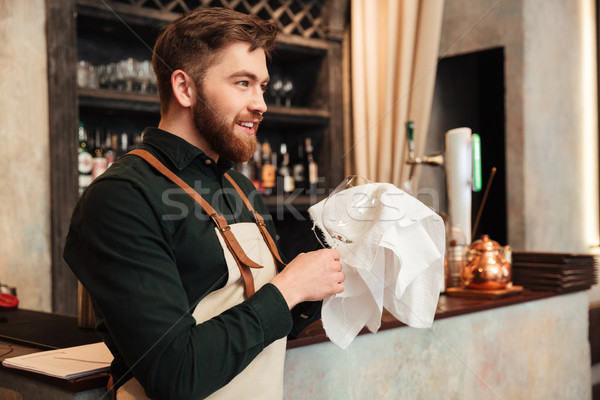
x=147 y=254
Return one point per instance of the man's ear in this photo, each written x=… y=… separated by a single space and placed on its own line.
x=184 y=90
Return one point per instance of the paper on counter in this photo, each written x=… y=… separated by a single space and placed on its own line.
x=395 y=259
x=69 y=363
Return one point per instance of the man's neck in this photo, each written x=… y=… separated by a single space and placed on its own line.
x=183 y=126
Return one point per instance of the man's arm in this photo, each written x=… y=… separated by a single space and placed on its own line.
x=124 y=259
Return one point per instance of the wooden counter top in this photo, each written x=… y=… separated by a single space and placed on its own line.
x=24 y=332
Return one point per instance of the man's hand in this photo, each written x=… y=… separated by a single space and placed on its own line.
x=310 y=277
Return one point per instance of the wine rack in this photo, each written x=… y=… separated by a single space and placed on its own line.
x=298 y=17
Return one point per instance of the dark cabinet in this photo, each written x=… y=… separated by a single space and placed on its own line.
x=308 y=53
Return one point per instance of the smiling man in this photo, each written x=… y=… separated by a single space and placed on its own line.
x=180 y=264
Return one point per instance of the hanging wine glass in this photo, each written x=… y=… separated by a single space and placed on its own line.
x=144 y=76
x=287 y=89
x=129 y=73
x=275 y=89
x=342 y=208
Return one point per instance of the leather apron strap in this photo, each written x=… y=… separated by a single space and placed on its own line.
x=110 y=386
x=243 y=261
x=258 y=219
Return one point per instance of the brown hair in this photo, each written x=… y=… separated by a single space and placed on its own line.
x=192 y=41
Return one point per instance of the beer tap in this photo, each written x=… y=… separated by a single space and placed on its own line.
x=435 y=159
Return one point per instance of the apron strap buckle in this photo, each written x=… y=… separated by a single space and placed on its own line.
x=258 y=218
x=220 y=222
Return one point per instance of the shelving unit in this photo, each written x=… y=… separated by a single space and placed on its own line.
x=308 y=49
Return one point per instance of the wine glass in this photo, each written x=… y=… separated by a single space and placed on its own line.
x=129 y=73
x=342 y=208
x=275 y=89
x=145 y=73
x=287 y=89
x=82 y=73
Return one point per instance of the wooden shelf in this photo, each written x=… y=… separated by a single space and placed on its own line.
x=301 y=19
x=116 y=100
x=130 y=14
x=296 y=115
x=299 y=45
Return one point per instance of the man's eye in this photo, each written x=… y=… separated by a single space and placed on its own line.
x=264 y=88
x=243 y=83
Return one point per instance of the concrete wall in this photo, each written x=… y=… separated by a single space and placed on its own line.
x=529 y=351
x=551 y=114
x=24 y=170
x=560 y=126
x=550 y=105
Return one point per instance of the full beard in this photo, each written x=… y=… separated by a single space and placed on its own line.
x=220 y=134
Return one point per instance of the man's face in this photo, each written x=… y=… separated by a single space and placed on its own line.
x=231 y=103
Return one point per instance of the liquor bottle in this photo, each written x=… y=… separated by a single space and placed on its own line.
x=134 y=141
x=312 y=168
x=257 y=170
x=275 y=162
x=298 y=170
x=84 y=160
x=268 y=169
x=124 y=144
x=246 y=168
x=137 y=141
x=111 y=149
x=100 y=163
x=287 y=180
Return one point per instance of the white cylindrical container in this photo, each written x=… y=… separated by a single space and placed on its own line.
x=459 y=174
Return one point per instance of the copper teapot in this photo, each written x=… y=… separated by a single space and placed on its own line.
x=486 y=265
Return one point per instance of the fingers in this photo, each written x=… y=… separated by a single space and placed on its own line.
x=320 y=274
x=335 y=254
x=335 y=266
x=340 y=277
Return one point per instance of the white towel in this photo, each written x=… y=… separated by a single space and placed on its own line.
x=392 y=252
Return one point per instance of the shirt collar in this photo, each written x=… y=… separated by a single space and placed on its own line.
x=180 y=152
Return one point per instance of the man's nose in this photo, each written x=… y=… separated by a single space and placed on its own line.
x=258 y=102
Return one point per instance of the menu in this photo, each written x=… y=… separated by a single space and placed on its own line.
x=68 y=363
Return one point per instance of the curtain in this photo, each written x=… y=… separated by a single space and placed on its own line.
x=393 y=58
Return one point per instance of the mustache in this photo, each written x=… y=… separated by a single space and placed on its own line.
x=250 y=117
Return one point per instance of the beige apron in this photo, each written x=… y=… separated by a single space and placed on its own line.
x=252 y=382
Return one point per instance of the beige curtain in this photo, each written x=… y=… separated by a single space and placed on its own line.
x=393 y=59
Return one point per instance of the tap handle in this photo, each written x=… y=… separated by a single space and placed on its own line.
x=410 y=128
x=476 y=143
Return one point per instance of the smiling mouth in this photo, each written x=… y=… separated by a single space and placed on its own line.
x=249 y=122
x=248 y=127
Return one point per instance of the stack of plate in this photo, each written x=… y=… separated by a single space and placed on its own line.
x=558 y=272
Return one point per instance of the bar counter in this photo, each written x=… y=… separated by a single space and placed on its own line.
x=532 y=345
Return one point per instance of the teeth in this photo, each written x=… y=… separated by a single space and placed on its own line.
x=247 y=124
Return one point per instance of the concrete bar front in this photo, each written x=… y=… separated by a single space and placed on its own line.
x=532 y=350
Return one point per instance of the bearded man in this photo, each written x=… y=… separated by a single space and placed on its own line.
x=176 y=249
